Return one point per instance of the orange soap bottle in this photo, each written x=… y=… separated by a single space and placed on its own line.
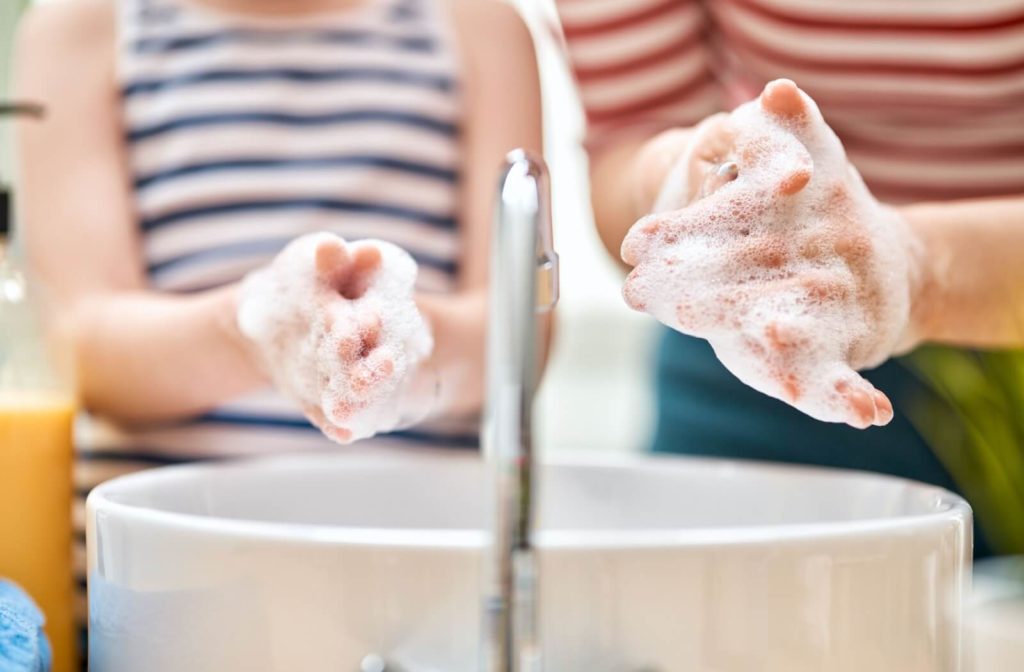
x=36 y=413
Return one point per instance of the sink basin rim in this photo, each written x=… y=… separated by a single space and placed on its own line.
x=102 y=499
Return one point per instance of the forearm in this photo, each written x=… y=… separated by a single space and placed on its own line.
x=459 y=323
x=146 y=357
x=970 y=289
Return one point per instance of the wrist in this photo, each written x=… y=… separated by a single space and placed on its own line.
x=924 y=259
x=458 y=324
x=226 y=319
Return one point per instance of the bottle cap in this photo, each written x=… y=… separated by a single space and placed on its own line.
x=5 y=210
x=14 y=108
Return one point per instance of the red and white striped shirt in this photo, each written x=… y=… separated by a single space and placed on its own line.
x=927 y=95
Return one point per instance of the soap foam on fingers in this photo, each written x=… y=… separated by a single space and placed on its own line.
x=780 y=257
x=339 y=331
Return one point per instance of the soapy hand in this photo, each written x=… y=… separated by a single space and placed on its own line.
x=766 y=242
x=337 y=329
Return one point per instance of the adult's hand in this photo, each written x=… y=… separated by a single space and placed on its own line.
x=766 y=242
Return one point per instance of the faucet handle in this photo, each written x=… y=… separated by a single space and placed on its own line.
x=547 y=258
x=547 y=281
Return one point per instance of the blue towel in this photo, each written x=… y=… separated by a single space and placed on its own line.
x=23 y=645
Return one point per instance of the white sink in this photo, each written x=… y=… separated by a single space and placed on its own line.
x=658 y=564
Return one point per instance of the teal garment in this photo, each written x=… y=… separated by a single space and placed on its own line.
x=705 y=410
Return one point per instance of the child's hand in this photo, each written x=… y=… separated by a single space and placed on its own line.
x=767 y=243
x=337 y=329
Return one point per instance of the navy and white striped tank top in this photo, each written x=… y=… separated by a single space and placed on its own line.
x=243 y=133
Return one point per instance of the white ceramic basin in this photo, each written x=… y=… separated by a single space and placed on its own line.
x=658 y=564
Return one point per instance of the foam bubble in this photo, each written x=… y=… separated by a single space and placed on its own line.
x=792 y=271
x=339 y=331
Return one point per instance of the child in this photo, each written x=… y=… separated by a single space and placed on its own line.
x=187 y=142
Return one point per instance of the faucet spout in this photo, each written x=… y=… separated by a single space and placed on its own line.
x=524 y=281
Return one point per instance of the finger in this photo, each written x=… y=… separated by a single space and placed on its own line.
x=779 y=346
x=366 y=260
x=371 y=372
x=854 y=247
x=343 y=410
x=750 y=360
x=662 y=165
x=717 y=176
x=862 y=401
x=370 y=328
x=699 y=318
x=717 y=211
x=634 y=291
x=315 y=416
x=716 y=141
x=331 y=260
x=675 y=291
x=794 y=181
x=361 y=338
x=714 y=162
x=702 y=314
x=784 y=338
x=330 y=430
x=883 y=409
x=812 y=288
x=337 y=434
x=689 y=154
x=784 y=100
x=795 y=163
x=651 y=287
x=642 y=237
x=350 y=347
x=762 y=251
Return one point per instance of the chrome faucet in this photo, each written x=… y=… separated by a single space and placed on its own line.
x=524 y=282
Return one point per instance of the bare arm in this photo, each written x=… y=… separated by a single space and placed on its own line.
x=142 y=356
x=972 y=286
